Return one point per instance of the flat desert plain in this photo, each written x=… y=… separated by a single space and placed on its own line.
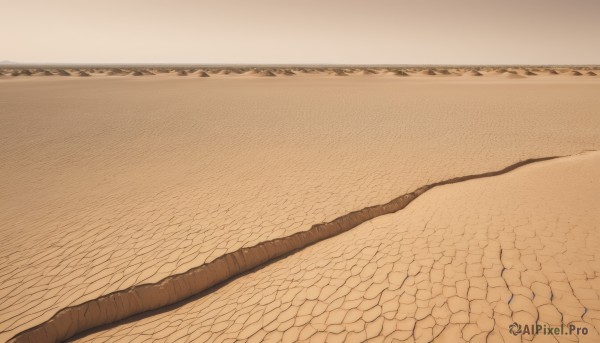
x=138 y=192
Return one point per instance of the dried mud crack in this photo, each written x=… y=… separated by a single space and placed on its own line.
x=123 y=304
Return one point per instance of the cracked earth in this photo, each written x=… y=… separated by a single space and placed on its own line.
x=459 y=264
x=177 y=173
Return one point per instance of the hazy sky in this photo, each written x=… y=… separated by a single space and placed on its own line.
x=301 y=31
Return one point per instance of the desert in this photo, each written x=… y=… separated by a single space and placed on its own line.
x=459 y=264
x=176 y=203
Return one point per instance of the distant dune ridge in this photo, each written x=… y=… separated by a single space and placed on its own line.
x=376 y=72
x=337 y=72
x=512 y=75
x=367 y=72
x=266 y=73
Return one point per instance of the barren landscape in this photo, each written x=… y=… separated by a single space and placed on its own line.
x=460 y=264
x=126 y=190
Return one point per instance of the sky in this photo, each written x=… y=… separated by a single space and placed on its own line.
x=301 y=31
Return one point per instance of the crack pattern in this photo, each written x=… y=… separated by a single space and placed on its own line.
x=146 y=297
x=431 y=272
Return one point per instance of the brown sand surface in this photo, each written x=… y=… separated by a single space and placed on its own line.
x=318 y=72
x=114 y=181
x=461 y=263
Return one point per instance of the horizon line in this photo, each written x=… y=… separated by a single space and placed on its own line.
x=194 y=64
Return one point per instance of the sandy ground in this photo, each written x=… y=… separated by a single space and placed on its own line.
x=114 y=181
x=461 y=263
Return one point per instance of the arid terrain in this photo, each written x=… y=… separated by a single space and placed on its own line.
x=460 y=264
x=129 y=189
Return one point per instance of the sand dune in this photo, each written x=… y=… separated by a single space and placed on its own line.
x=286 y=72
x=115 y=71
x=266 y=72
x=260 y=72
x=23 y=72
x=203 y=74
x=338 y=72
x=509 y=75
x=367 y=72
x=251 y=72
x=462 y=263
x=428 y=72
x=171 y=174
x=83 y=73
x=318 y=71
x=474 y=73
x=400 y=73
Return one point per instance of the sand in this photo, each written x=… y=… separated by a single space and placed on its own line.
x=116 y=181
x=317 y=72
x=474 y=73
x=461 y=263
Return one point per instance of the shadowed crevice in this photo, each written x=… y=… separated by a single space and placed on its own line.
x=138 y=299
